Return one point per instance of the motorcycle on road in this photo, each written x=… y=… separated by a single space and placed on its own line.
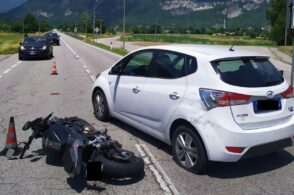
x=82 y=146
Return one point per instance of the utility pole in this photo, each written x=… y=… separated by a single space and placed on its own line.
x=155 y=33
x=100 y=27
x=188 y=22
x=124 y=25
x=39 y=25
x=291 y=18
x=94 y=18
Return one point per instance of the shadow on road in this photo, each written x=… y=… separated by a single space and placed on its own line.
x=123 y=182
x=80 y=183
x=246 y=167
x=252 y=166
x=139 y=134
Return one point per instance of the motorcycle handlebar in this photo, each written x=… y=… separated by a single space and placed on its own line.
x=27 y=146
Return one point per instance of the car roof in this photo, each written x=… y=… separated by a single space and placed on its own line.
x=208 y=52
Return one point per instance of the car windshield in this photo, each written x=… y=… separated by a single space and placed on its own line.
x=51 y=34
x=35 y=40
x=248 y=72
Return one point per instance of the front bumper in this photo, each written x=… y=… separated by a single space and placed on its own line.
x=34 y=54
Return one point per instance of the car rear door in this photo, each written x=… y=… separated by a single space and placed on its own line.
x=163 y=89
x=127 y=86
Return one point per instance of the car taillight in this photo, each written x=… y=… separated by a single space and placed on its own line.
x=288 y=93
x=214 y=98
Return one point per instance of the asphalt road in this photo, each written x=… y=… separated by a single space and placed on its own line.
x=25 y=89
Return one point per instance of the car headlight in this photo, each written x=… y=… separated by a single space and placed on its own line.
x=44 y=47
x=22 y=48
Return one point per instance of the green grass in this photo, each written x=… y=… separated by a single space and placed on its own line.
x=9 y=42
x=199 y=39
x=116 y=50
x=88 y=38
x=286 y=49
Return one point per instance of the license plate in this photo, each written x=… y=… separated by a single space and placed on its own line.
x=267 y=105
x=32 y=53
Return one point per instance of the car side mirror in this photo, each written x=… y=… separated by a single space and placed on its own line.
x=20 y=44
x=281 y=72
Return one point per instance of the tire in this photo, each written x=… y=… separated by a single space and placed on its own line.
x=192 y=156
x=20 y=58
x=118 y=170
x=100 y=105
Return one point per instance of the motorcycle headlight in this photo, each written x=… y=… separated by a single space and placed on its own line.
x=22 y=48
x=44 y=47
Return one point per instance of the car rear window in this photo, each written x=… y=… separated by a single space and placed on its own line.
x=248 y=72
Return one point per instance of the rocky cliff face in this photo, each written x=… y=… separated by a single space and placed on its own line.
x=231 y=8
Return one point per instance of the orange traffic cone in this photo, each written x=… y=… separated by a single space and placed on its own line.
x=11 y=141
x=54 y=69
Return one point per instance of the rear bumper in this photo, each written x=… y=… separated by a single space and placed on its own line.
x=267 y=148
x=218 y=134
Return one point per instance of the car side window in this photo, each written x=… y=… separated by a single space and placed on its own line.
x=169 y=65
x=117 y=68
x=191 y=65
x=138 y=64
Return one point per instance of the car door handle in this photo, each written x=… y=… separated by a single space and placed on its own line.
x=174 y=96
x=136 y=90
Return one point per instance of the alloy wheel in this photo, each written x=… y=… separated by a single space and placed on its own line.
x=186 y=150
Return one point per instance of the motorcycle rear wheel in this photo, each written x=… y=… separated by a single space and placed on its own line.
x=132 y=168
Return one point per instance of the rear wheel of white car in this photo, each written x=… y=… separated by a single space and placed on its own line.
x=101 y=109
x=188 y=150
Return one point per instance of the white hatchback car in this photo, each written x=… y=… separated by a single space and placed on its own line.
x=207 y=102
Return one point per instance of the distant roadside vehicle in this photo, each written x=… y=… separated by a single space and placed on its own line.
x=35 y=47
x=207 y=102
x=54 y=37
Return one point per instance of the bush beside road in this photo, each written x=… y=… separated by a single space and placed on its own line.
x=9 y=42
x=199 y=39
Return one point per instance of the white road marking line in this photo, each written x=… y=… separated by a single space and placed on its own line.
x=14 y=65
x=164 y=181
x=6 y=71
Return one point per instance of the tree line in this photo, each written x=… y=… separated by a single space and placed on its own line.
x=29 y=24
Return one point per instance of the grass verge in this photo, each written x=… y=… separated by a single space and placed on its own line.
x=88 y=39
x=9 y=42
x=199 y=39
x=286 y=49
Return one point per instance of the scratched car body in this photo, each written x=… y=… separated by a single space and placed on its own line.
x=209 y=103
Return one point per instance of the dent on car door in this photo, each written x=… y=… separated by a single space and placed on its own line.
x=127 y=85
x=164 y=90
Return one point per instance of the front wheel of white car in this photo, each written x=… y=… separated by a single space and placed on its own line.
x=188 y=150
x=101 y=109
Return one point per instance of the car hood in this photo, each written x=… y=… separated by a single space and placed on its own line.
x=35 y=45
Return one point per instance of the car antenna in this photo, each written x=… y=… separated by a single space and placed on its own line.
x=232 y=48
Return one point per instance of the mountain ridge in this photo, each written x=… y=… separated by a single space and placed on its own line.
x=202 y=13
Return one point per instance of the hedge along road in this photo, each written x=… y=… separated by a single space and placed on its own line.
x=25 y=93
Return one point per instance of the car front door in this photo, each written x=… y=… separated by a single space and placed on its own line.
x=127 y=80
x=164 y=90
